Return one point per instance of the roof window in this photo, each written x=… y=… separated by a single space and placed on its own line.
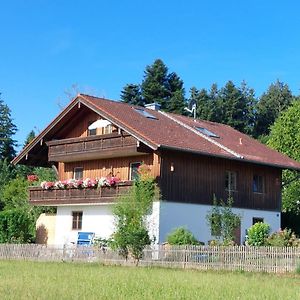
x=207 y=132
x=145 y=113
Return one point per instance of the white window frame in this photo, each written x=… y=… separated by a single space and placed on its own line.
x=74 y=172
x=77 y=220
x=130 y=168
x=231 y=176
x=91 y=132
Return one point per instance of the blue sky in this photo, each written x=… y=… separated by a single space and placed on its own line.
x=48 y=46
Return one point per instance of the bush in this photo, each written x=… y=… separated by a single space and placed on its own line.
x=283 y=238
x=181 y=236
x=131 y=235
x=17 y=226
x=258 y=234
x=222 y=221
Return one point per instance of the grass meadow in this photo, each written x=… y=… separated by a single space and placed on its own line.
x=39 y=280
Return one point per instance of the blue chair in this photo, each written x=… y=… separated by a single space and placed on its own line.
x=85 y=238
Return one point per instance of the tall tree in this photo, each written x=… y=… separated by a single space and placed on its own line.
x=251 y=102
x=233 y=108
x=277 y=98
x=176 y=100
x=131 y=94
x=7 y=130
x=29 y=138
x=216 y=109
x=203 y=103
x=154 y=85
x=285 y=137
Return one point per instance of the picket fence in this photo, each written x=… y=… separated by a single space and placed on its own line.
x=242 y=258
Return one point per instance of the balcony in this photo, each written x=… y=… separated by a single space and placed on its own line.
x=94 y=147
x=55 y=197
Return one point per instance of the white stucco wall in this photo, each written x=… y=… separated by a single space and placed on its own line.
x=95 y=218
x=193 y=217
x=164 y=218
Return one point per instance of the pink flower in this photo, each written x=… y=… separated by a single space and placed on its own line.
x=32 y=178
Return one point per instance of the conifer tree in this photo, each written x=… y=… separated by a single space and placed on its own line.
x=131 y=94
x=176 y=100
x=7 y=130
x=251 y=102
x=203 y=103
x=29 y=138
x=155 y=84
x=234 y=110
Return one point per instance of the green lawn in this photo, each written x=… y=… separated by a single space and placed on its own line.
x=36 y=280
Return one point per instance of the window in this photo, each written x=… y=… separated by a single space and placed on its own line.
x=134 y=170
x=258 y=184
x=92 y=131
x=207 y=132
x=107 y=129
x=78 y=173
x=77 y=220
x=257 y=220
x=145 y=113
x=230 y=181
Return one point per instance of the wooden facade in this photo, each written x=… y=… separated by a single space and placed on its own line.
x=181 y=176
x=196 y=179
x=119 y=167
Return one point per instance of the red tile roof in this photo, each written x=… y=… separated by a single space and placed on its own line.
x=174 y=132
x=166 y=132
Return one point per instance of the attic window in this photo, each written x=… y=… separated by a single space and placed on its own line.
x=207 y=132
x=145 y=113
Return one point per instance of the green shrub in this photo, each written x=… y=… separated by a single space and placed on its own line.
x=17 y=226
x=283 y=238
x=181 y=236
x=222 y=221
x=258 y=234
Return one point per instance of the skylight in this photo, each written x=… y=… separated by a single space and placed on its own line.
x=145 y=113
x=207 y=132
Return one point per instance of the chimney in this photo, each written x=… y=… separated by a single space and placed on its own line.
x=153 y=106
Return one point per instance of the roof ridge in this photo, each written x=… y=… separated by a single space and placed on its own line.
x=202 y=135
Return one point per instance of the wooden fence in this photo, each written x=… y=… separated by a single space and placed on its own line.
x=242 y=258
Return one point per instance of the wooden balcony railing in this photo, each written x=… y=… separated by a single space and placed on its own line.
x=93 y=147
x=54 y=197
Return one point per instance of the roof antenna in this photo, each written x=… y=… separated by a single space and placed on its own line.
x=192 y=108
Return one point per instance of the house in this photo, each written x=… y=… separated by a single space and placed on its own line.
x=192 y=160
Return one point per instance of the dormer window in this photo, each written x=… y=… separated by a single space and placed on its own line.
x=100 y=127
